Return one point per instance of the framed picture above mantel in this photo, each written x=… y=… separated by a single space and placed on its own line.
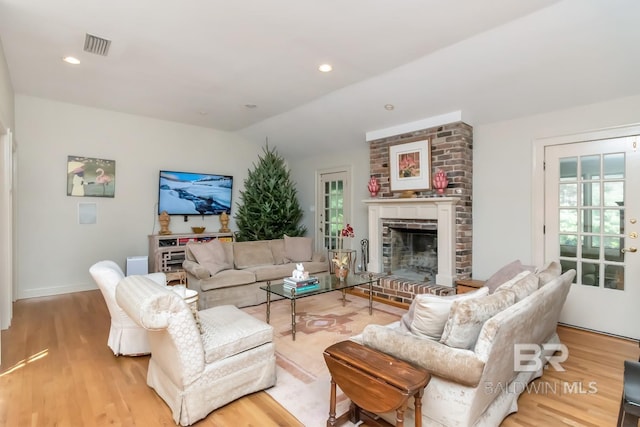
x=410 y=167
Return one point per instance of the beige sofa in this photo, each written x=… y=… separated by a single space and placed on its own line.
x=475 y=378
x=232 y=272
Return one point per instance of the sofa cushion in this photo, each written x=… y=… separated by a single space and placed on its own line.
x=319 y=257
x=431 y=312
x=451 y=364
x=523 y=285
x=228 y=251
x=549 y=272
x=228 y=331
x=277 y=250
x=252 y=254
x=210 y=255
x=228 y=278
x=272 y=272
x=316 y=266
x=298 y=249
x=467 y=317
x=506 y=273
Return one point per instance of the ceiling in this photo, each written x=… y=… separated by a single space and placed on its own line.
x=201 y=62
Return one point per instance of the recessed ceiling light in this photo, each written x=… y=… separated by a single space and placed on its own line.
x=251 y=105
x=389 y=107
x=71 y=60
x=325 y=68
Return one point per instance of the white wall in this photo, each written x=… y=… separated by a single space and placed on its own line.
x=6 y=93
x=54 y=251
x=502 y=176
x=6 y=238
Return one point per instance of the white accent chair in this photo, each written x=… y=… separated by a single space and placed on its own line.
x=197 y=369
x=126 y=337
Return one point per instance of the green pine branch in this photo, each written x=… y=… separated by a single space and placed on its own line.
x=268 y=207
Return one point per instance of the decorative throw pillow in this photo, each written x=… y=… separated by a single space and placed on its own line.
x=467 y=317
x=297 y=249
x=523 y=285
x=407 y=318
x=429 y=313
x=549 y=272
x=210 y=255
x=506 y=273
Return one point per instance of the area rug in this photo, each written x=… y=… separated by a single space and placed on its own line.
x=303 y=384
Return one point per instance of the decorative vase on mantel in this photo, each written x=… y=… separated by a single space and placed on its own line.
x=373 y=186
x=440 y=181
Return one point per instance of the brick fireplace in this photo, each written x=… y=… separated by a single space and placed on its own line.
x=449 y=214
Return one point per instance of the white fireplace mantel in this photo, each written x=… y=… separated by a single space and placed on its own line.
x=442 y=209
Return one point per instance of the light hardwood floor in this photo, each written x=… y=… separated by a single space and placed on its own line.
x=57 y=371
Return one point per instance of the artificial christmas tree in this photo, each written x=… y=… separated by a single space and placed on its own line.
x=268 y=207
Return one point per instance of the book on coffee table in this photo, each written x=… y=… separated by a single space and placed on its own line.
x=300 y=289
x=290 y=281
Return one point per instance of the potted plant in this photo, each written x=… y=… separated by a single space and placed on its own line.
x=342 y=258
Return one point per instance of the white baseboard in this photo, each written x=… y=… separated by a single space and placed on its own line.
x=58 y=290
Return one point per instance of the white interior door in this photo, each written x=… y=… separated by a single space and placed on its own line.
x=334 y=206
x=592 y=209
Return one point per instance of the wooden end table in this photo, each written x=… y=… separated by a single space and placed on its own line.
x=375 y=382
x=468 y=285
x=179 y=276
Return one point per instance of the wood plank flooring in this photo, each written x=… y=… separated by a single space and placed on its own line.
x=57 y=371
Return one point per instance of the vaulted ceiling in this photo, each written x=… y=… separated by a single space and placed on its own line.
x=252 y=66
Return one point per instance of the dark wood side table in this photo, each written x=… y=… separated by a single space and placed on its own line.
x=375 y=382
x=468 y=285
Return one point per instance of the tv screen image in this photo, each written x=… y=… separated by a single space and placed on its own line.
x=188 y=193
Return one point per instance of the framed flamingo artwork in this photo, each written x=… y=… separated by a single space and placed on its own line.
x=91 y=177
x=410 y=167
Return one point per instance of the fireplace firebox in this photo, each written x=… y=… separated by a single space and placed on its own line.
x=413 y=254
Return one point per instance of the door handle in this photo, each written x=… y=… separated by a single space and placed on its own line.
x=631 y=249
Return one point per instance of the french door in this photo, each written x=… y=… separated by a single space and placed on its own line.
x=334 y=208
x=592 y=214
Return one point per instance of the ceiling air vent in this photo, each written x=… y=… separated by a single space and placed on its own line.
x=97 y=45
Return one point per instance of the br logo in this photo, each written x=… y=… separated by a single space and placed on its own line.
x=532 y=357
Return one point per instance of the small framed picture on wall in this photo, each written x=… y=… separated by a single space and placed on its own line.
x=91 y=177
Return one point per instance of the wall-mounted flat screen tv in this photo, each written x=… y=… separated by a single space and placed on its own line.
x=188 y=193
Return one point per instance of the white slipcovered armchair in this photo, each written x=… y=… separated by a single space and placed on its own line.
x=196 y=367
x=126 y=337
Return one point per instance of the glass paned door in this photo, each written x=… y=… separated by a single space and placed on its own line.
x=591 y=226
x=334 y=209
x=590 y=206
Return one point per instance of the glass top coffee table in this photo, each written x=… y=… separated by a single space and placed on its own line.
x=327 y=283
